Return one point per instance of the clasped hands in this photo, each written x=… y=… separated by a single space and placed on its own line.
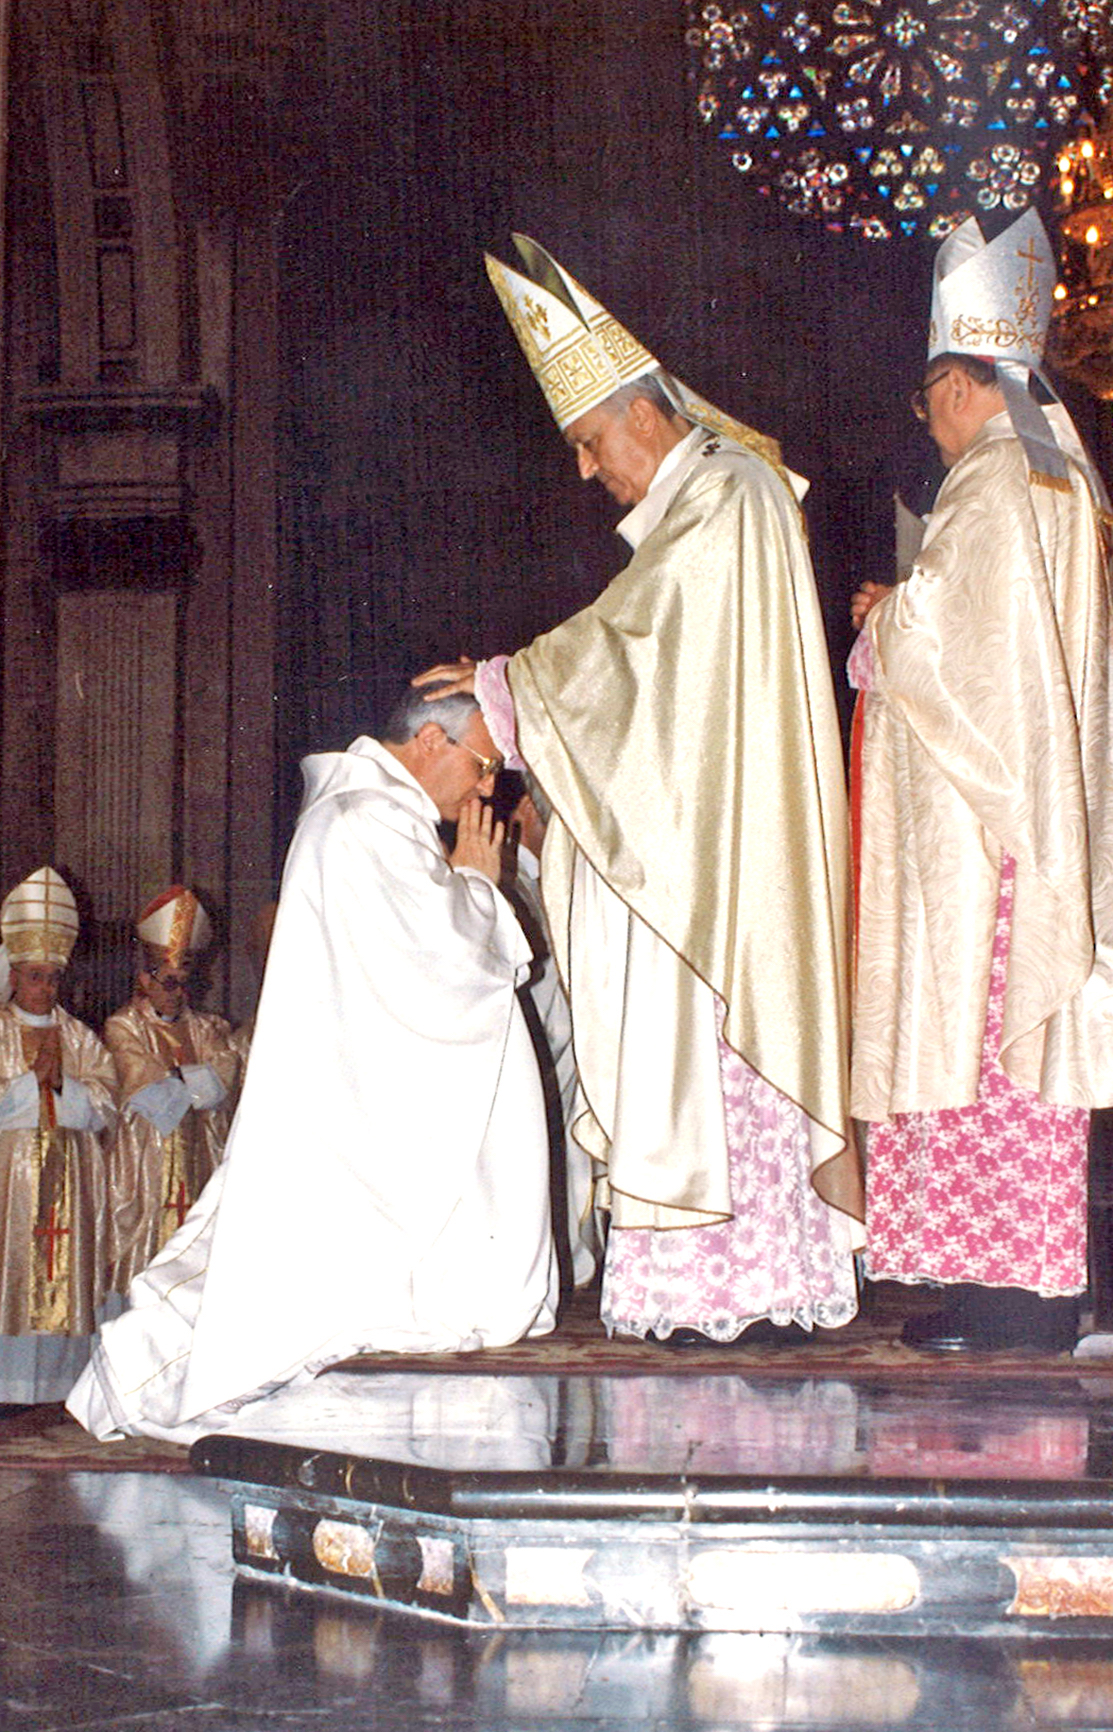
x=479 y=838
x=864 y=598
x=47 y=1064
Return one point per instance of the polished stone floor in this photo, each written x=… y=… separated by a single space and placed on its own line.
x=119 y=1606
x=938 y=1424
x=120 y=1610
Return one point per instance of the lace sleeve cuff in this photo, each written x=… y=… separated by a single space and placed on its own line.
x=492 y=689
x=860 y=666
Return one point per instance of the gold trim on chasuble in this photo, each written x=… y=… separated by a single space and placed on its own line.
x=185 y=1173
x=184 y=1167
x=181 y=926
x=51 y=1257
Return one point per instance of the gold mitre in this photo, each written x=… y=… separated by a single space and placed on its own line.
x=579 y=353
x=38 y=919
x=175 y=925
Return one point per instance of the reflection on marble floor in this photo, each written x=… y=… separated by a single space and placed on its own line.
x=931 y=1428
x=118 y=1609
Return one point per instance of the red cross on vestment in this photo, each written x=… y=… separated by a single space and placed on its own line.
x=50 y=1233
x=181 y=1203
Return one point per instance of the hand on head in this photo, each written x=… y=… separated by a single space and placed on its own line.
x=459 y=675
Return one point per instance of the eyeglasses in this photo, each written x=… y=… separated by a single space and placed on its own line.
x=487 y=766
x=919 y=398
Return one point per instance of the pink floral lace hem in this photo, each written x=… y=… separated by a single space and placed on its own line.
x=993 y=1193
x=777 y=1257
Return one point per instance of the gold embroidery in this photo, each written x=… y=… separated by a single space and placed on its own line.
x=1024 y=330
x=1060 y=483
x=995 y=333
x=49 y=1308
x=1028 y=293
x=536 y=316
x=176 y=1199
x=181 y=925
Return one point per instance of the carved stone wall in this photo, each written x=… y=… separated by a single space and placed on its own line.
x=139 y=536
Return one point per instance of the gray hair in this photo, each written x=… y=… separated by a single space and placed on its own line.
x=411 y=712
x=652 y=387
x=976 y=367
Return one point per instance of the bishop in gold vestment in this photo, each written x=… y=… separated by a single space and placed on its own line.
x=57 y=1101
x=177 y=1071
x=695 y=874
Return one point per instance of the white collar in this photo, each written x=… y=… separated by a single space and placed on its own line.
x=33 y=1021
x=648 y=512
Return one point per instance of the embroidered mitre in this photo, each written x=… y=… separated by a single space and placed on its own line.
x=580 y=354
x=175 y=924
x=38 y=919
x=993 y=298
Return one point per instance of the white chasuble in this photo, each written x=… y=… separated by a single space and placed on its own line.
x=385 y=1186
x=987 y=734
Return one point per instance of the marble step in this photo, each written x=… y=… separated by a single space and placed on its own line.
x=600 y=1548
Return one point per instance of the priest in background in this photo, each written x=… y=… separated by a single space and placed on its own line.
x=984 y=998
x=57 y=1102
x=178 y=1070
x=386 y=1181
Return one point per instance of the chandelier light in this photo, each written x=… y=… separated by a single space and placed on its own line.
x=1081 y=337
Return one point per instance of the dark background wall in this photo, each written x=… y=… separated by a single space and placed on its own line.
x=427 y=503
x=320 y=434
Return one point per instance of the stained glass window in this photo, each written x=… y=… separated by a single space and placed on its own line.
x=888 y=117
x=1088 y=33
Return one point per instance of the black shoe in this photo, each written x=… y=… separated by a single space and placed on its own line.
x=940 y=1332
x=763 y=1333
x=977 y=1319
x=766 y=1333
x=686 y=1338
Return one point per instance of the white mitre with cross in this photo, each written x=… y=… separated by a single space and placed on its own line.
x=993 y=300
x=580 y=354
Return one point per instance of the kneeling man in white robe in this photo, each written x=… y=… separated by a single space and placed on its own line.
x=386 y=1183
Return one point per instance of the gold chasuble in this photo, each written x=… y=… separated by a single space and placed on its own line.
x=159 y=1175
x=54 y=1220
x=683 y=726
